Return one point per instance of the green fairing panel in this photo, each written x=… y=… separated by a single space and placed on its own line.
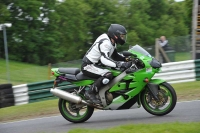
x=56 y=72
x=122 y=85
x=115 y=72
x=130 y=93
x=135 y=86
x=157 y=81
x=120 y=99
x=137 y=80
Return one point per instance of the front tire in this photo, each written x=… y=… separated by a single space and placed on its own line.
x=165 y=104
x=75 y=113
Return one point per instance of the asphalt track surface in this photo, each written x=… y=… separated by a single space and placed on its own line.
x=188 y=111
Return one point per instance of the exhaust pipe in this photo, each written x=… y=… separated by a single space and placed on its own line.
x=68 y=96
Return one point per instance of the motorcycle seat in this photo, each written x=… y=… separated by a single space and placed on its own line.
x=72 y=71
x=81 y=76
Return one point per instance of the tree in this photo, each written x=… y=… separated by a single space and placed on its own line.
x=73 y=29
x=28 y=37
x=150 y=19
x=188 y=6
x=103 y=13
x=4 y=14
x=138 y=23
x=46 y=31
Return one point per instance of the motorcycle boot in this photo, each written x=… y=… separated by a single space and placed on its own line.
x=90 y=94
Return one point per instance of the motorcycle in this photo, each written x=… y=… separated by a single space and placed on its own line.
x=129 y=89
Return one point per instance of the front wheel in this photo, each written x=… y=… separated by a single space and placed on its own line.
x=75 y=113
x=165 y=104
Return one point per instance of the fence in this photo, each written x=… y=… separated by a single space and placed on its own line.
x=174 y=72
x=29 y=93
x=177 y=72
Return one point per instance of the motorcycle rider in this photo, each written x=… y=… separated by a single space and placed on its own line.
x=104 y=52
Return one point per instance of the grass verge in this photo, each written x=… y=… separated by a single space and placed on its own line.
x=182 y=56
x=31 y=110
x=187 y=91
x=147 y=128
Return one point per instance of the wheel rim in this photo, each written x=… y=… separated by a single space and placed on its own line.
x=162 y=105
x=73 y=114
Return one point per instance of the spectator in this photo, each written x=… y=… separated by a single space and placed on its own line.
x=163 y=42
x=165 y=45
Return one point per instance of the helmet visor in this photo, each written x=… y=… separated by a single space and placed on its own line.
x=123 y=37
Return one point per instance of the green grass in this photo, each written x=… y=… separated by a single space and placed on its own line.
x=31 y=110
x=188 y=90
x=24 y=73
x=182 y=56
x=174 y=127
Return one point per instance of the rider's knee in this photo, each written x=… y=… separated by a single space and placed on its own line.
x=107 y=77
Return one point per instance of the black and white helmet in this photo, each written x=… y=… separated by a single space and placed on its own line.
x=118 y=33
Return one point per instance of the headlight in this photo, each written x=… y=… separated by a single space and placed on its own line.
x=155 y=63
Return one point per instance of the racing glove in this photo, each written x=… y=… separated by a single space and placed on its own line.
x=128 y=59
x=139 y=63
x=124 y=65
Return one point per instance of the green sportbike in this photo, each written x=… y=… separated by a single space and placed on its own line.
x=130 y=88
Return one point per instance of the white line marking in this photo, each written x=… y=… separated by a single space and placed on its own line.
x=29 y=119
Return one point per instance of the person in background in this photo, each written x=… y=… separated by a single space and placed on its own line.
x=163 y=42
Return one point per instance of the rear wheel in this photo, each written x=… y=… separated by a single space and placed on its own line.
x=165 y=104
x=75 y=113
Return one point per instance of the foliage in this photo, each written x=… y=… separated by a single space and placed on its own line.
x=188 y=5
x=49 y=31
x=29 y=39
x=73 y=26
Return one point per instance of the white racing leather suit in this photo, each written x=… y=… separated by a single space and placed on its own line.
x=102 y=51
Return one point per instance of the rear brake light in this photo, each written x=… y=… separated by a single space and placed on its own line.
x=52 y=73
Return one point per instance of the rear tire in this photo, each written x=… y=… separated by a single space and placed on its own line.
x=165 y=104
x=73 y=114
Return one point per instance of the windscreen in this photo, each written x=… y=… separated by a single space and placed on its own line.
x=139 y=49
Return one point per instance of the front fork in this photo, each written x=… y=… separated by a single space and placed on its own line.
x=153 y=87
